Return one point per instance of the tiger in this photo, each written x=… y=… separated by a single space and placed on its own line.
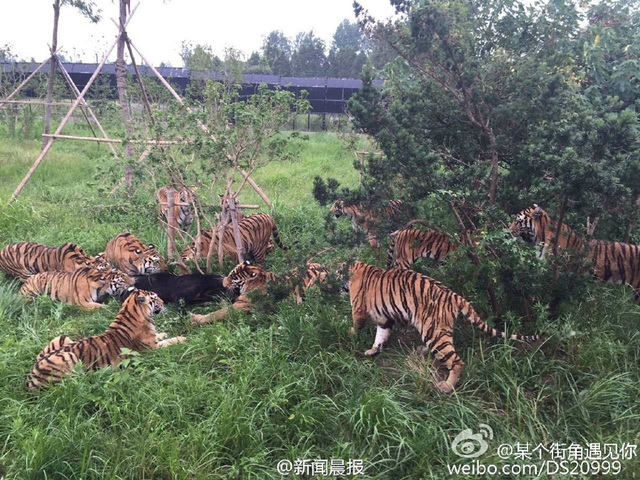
x=534 y=225
x=182 y=209
x=130 y=256
x=133 y=328
x=613 y=262
x=410 y=244
x=87 y=287
x=366 y=219
x=246 y=277
x=407 y=297
x=24 y=259
x=255 y=234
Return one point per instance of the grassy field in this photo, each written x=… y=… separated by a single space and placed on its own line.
x=292 y=384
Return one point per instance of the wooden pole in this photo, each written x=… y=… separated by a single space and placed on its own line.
x=19 y=87
x=75 y=90
x=64 y=121
x=232 y=203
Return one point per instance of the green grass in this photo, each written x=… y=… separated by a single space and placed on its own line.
x=239 y=396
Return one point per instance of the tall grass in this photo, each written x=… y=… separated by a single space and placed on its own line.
x=291 y=383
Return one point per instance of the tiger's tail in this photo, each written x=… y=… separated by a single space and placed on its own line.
x=276 y=238
x=392 y=248
x=472 y=317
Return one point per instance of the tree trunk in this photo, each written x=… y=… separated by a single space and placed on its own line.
x=493 y=146
x=52 y=74
x=121 y=84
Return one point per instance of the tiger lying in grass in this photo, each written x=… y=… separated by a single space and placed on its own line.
x=133 y=328
x=246 y=277
x=87 y=287
x=129 y=255
x=409 y=298
x=24 y=259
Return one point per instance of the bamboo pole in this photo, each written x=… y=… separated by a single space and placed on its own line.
x=73 y=87
x=115 y=140
x=66 y=118
x=19 y=87
x=35 y=102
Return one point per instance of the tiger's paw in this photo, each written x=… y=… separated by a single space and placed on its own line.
x=372 y=351
x=443 y=387
x=197 y=319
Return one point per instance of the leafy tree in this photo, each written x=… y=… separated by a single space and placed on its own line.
x=199 y=57
x=88 y=9
x=276 y=50
x=346 y=56
x=308 y=57
x=257 y=64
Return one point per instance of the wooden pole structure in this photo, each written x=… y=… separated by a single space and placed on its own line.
x=75 y=90
x=19 y=87
x=202 y=126
x=64 y=121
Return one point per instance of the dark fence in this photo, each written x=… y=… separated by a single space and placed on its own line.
x=325 y=94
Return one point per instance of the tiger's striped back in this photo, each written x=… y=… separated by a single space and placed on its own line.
x=616 y=262
x=129 y=255
x=409 y=298
x=87 y=287
x=133 y=328
x=182 y=210
x=255 y=234
x=367 y=219
x=24 y=259
x=410 y=244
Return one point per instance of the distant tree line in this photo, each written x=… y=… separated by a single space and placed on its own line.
x=304 y=56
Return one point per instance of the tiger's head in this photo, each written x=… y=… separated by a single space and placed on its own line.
x=117 y=282
x=150 y=260
x=529 y=224
x=244 y=277
x=143 y=301
x=338 y=208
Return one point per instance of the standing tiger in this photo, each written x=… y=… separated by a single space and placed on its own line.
x=129 y=255
x=24 y=259
x=255 y=234
x=407 y=297
x=410 y=244
x=133 y=328
x=614 y=262
x=367 y=219
x=182 y=209
x=533 y=225
x=87 y=287
x=246 y=277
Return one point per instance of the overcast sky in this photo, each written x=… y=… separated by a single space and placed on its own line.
x=158 y=27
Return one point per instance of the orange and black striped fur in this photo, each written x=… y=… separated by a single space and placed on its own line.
x=182 y=209
x=410 y=244
x=255 y=234
x=246 y=277
x=128 y=254
x=614 y=262
x=87 y=287
x=133 y=328
x=24 y=259
x=534 y=225
x=406 y=297
x=366 y=219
